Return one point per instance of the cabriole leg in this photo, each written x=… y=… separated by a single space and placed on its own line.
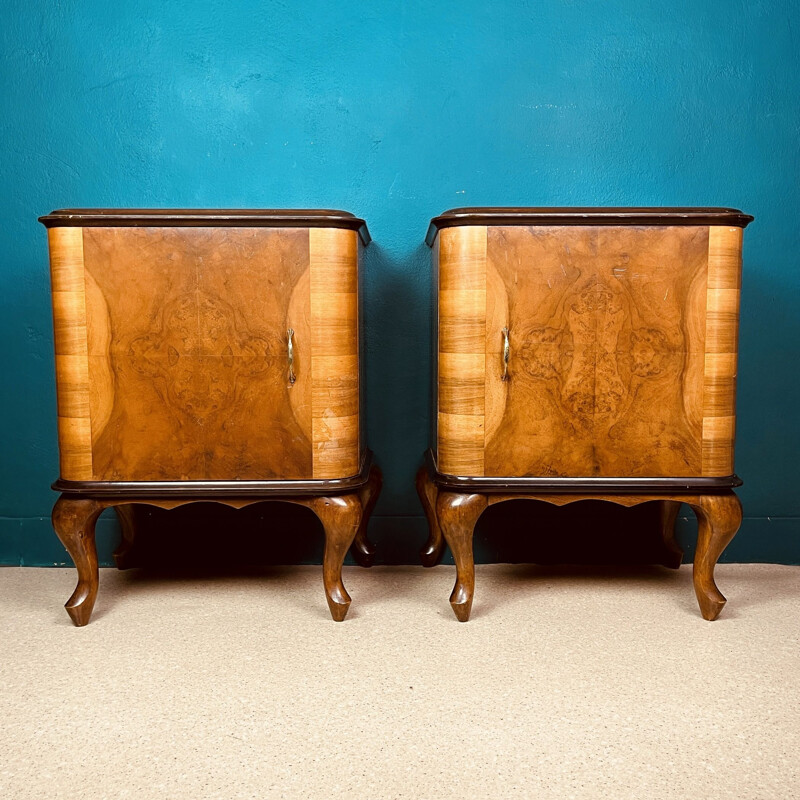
x=126 y=514
x=363 y=550
x=340 y=517
x=433 y=550
x=74 y=522
x=457 y=515
x=668 y=515
x=718 y=518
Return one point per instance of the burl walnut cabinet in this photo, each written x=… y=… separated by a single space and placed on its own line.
x=209 y=355
x=584 y=353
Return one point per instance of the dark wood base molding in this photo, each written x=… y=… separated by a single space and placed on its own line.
x=452 y=515
x=344 y=517
x=579 y=485
x=204 y=489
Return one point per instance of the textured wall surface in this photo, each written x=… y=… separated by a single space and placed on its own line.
x=396 y=112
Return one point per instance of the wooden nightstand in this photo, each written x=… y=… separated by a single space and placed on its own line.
x=209 y=355
x=584 y=353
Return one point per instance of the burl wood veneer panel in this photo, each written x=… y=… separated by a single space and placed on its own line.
x=623 y=350
x=607 y=330
x=187 y=344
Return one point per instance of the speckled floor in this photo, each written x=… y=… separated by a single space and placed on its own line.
x=567 y=683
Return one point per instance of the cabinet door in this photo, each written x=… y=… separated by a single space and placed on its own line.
x=188 y=353
x=606 y=341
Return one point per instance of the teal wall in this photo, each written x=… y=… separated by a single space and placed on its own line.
x=397 y=111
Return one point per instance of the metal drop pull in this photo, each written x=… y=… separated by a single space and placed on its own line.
x=292 y=376
x=506 y=354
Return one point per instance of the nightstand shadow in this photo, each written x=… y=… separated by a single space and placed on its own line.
x=527 y=581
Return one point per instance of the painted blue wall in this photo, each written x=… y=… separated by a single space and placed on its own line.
x=398 y=111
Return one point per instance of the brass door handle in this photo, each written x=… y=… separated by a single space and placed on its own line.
x=506 y=354
x=292 y=376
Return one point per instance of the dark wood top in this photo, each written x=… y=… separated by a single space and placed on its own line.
x=205 y=217
x=586 y=216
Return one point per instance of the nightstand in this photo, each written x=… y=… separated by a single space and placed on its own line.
x=209 y=355
x=584 y=353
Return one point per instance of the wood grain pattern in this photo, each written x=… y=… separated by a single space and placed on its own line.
x=722 y=327
x=610 y=374
x=172 y=353
x=204 y=357
x=668 y=514
x=461 y=349
x=206 y=218
x=188 y=353
x=333 y=258
x=74 y=522
x=455 y=515
x=343 y=518
x=428 y=493
x=71 y=352
x=127 y=517
x=606 y=351
x=582 y=216
x=609 y=345
x=362 y=549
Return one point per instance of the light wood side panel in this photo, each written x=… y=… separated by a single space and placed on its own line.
x=461 y=355
x=362 y=355
x=434 y=395
x=335 y=391
x=722 y=330
x=333 y=258
x=462 y=383
x=460 y=448
x=71 y=352
x=336 y=447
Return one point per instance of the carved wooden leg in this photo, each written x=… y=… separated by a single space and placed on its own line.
x=718 y=518
x=74 y=520
x=668 y=510
x=340 y=517
x=433 y=550
x=126 y=515
x=457 y=515
x=363 y=550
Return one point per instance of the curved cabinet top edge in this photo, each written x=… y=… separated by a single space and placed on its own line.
x=205 y=217
x=644 y=216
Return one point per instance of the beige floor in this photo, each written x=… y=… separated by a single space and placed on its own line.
x=567 y=683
